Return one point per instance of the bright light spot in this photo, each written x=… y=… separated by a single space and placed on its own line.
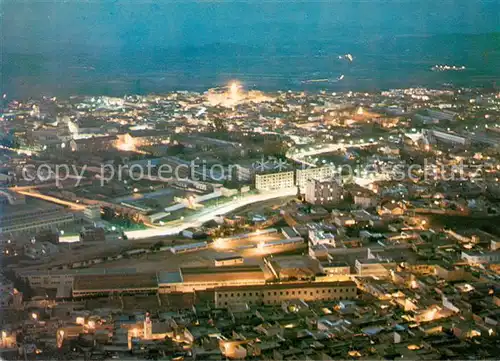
x=234 y=90
x=128 y=144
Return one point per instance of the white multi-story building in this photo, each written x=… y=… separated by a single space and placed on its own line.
x=321 y=237
x=274 y=181
x=318 y=173
x=374 y=267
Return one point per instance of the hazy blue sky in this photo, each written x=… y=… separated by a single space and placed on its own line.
x=117 y=47
x=48 y=26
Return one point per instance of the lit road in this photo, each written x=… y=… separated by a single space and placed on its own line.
x=72 y=205
x=196 y=220
x=29 y=153
x=208 y=214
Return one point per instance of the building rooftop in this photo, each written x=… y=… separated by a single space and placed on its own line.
x=115 y=282
x=218 y=274
x=286 y=285
x=165 y=277
x=79 y=271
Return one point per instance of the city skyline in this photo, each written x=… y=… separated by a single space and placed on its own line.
x=249 y=180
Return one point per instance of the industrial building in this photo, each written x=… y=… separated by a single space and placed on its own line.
x=277 y=293
x=202 y=278
x=85 y=285
x=32 y=217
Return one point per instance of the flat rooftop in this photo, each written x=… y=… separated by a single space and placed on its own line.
x=229 y=258
x=288 y=285
x=107 y=283
x=219 y=274
x=31 y=206
x=334 y=264
x=79 y=271
x=165 y=277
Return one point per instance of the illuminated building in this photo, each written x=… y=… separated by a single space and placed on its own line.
x=228 y=261
x=93 y=144
x=202 y=278
x=324 y=192
x=374 y=267
x=336 y=269
x=317 y=173
x=142 y=138
x=274 y=181
x=68 y=333
x=277 y=293
x=320 y=237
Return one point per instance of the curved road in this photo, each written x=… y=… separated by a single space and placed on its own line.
x=208 y=214
x=202 y=216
